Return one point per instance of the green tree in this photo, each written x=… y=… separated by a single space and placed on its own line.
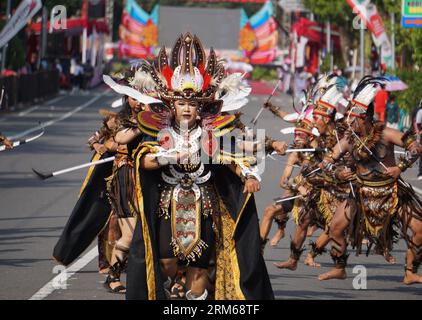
x=15 y=56
x=408 y=40
x=336 y=11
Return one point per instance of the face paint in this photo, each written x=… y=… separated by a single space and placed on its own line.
x=186 y=111
x=301 y=139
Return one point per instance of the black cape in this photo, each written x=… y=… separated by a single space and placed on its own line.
x=89 y=216
x=254 y=280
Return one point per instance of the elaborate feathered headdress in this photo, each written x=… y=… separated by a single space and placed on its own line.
x=326 y=106
x=189 y=75
x=364 y=95
x=312 y=96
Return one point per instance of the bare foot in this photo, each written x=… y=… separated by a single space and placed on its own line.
x=390 y=258
x=309 y=261
x=311 y=231
x=289 y=264
x=277 y=237
x=410 y=278
x=115 y=285
x=335 y=273
x=104 y=270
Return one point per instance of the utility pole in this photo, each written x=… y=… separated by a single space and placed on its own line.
x=4 y=51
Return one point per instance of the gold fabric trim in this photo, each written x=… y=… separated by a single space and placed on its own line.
x=194 y=250
x=96 y=157
x=227 y=283
x=326 y=200
x=149 y=259
x=382 y=183
x=147 y=131
x=240 y=213
x=297 y=205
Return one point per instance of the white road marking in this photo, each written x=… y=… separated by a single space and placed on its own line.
x=55 y=100
x=65 y=275
x=24 y=113
x=51 y=122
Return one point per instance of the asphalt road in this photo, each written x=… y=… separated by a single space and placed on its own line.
x=33 y=212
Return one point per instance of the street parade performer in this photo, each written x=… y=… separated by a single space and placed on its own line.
x=92 y=211
x=195 y=200
x=121 y=187
x=5 y=141
x=325 y=193
x=303 y=138
x=304 y=117
x=387 y=203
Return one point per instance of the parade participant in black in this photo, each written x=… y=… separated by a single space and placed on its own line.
x=92 y=210
x=191 y=210
x=385 y=200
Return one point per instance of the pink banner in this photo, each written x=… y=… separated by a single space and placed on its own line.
x=268 y=42
x=131 y=24
x=266 y=29
x=133 y=51
x=127 y=36
x=260 y=57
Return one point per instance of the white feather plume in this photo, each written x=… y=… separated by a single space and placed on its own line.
x=332 y=96
x=143 y=81
x=344 y=102
x=233 y=92
x=231 y=82
x=125 y=90
x=315 y=132
x=338 y=116
x=291 y=117
x=288 y=130
x=117 y=103
x=367 y=95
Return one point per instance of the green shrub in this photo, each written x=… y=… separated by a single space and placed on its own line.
x=260 y=73
x=409 y=98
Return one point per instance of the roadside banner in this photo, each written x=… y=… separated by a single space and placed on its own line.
x=24 y=12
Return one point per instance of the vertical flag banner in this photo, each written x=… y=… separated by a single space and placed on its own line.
x=368 y=12
x=258 y=35
x=24 y=12
x=138 y=31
